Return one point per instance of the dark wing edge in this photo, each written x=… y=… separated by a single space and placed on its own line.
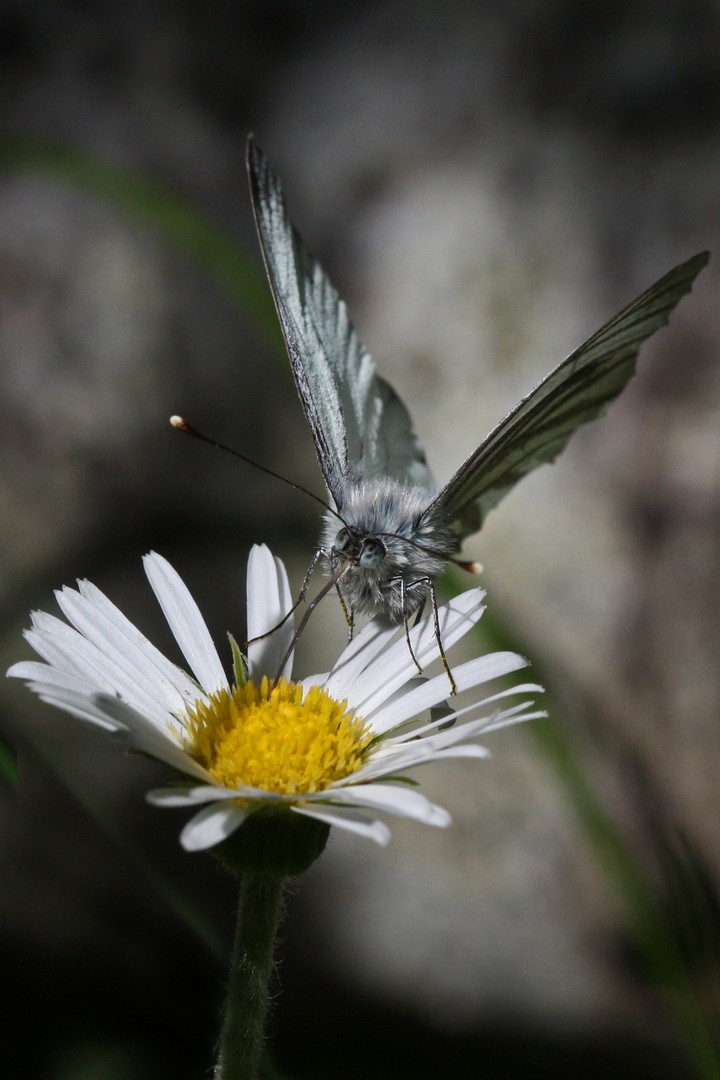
x=359 y=426
x=577 y=391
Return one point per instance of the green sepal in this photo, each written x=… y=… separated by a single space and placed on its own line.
x=273 y=842
x=239 y=662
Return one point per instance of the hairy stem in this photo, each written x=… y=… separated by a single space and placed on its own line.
x=251 y=966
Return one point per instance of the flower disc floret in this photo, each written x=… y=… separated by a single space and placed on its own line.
x=276 y=737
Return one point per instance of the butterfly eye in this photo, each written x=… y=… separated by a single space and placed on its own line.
x=373 y=552
x=344 y=542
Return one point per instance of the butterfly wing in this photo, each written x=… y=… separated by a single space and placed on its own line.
x=360 y=427
x=578 y=390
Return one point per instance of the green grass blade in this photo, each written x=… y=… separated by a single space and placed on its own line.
x=645 y=917
x=239 y=274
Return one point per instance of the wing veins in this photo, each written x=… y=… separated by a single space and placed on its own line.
x=359 y=426
x=591 y=376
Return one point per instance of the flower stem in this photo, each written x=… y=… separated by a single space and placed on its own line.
x=251 y=965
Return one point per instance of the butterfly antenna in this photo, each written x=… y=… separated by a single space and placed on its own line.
x=471 y=567
x=181 y=424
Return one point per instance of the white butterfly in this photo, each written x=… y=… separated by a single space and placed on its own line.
x=392 y=532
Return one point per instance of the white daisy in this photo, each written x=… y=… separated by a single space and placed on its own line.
x=333 y=747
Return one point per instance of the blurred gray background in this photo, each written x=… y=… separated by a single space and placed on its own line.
x=486 y=184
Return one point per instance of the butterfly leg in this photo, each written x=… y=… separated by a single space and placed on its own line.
x=301 y=596
x=438 y=712
x=403 y=606
x=347 y=612
x=311 y=607
x=438 y=637
x=420 y=611
x=428 y=586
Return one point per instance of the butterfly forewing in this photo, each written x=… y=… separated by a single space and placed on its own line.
x=396 y=535
x=578 y=390
x=360 y=427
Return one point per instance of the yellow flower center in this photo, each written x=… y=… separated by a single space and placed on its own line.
x=277 y=737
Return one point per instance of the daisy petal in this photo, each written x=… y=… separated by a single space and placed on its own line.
x=405 y=732
x=349 y=820
x=131 y=651
x=68 y=651
x=464 y=750
x=410 y=757
x=268 y=601
x=186 y=623
x=144 y=736
x=396 y=758
x=314 y=680
x=395 y=667
x=44 y=676
x=80 y=707
x=506 y=721
x=212 y=825
x=433 y=691
x=357 y=655
x=170 y=672
x=401 y=800
x=450 y=736
x=193 y=796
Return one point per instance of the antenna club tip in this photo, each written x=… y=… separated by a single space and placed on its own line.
x=178 y=422
x=470 y=567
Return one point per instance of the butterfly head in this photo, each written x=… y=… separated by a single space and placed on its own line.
x=378 y=516
x=366 y=551
x=392 y=549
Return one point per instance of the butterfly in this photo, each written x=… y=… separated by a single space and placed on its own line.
x=391 y=532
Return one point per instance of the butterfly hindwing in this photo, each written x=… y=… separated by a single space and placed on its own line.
x=360 y=427
x=578 y=390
